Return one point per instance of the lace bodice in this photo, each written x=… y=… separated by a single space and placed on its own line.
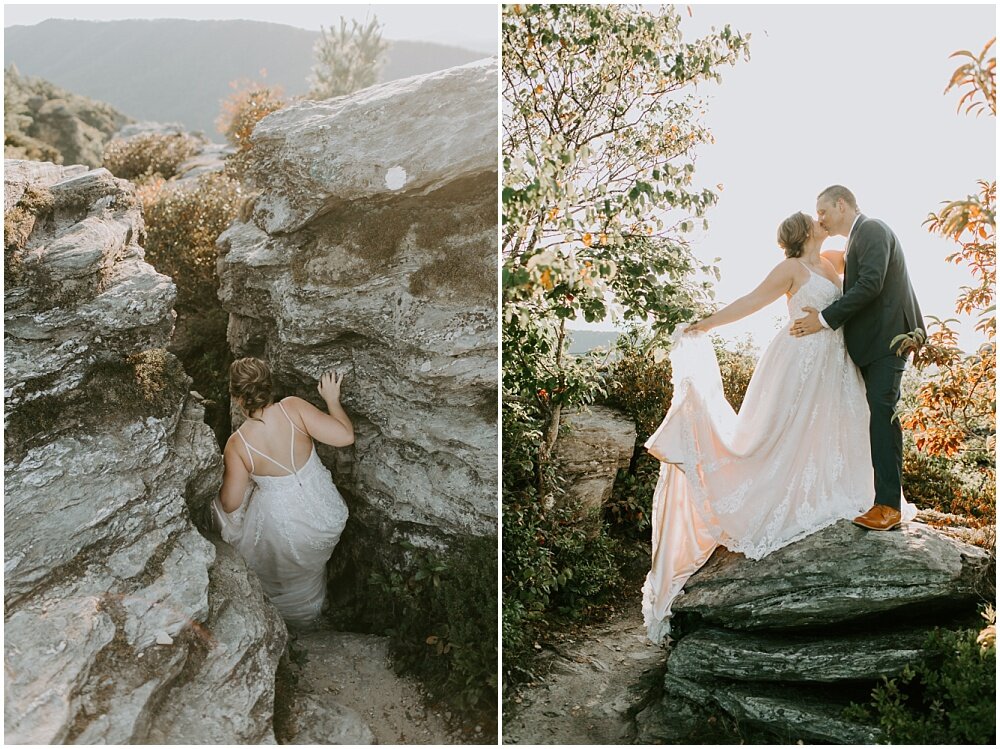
x=818 y=292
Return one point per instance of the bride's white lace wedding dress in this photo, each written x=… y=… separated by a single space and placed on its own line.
x=796 y=458
x=286 y=529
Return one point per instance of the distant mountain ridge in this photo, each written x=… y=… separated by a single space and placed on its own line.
x=178 y=70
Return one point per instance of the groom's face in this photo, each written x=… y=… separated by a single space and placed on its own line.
x=832 y=216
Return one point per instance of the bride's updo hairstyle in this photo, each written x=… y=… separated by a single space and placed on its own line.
x=793 y=233
x=250 y=381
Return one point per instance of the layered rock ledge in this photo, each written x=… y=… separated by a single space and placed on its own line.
x=783 y=644
x=123 y=624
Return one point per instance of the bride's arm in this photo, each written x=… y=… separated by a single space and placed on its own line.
x=235 y=479
x=779 y=281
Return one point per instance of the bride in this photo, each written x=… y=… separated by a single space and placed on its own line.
x=283 y=514
x=796 y=458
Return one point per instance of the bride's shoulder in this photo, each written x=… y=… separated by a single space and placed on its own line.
x=292 y=401
x=788 y=266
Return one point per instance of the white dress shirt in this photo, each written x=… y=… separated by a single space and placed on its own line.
x=822 y=320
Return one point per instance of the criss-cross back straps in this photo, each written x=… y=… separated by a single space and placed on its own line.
x=251 y=449
x=292 y=438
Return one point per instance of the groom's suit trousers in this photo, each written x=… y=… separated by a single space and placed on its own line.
x=882 y=382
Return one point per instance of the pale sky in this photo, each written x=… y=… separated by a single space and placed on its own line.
x=471 y=25
x=848 y=95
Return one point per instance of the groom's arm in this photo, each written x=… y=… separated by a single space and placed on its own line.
x=872 y=248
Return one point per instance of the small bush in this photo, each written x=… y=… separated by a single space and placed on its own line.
x=441 y=620
x=149 y=155
x=949 y=697
x=246 y=106
x=183 y=221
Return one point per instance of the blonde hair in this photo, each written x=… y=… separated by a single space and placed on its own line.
x=793 y=233
x=250 y=381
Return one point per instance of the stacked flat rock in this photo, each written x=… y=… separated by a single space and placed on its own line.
x=783 y=644
x=123 y=624
x=371 y=249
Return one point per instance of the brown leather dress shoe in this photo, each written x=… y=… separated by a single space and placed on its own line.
x=880 y=518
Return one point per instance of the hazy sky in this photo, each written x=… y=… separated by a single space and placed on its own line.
x=840 y=94
x=473 y=26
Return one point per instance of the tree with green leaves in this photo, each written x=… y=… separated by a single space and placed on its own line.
x=347 y=60
x=600 y=126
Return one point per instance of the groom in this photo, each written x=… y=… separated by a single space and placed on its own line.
x=878 y=304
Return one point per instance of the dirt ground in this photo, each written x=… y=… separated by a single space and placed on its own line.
x=337 y=670
x=597 y=679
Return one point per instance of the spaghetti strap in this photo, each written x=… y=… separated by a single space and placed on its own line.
x=249 y=453
x=251 y=449
x=282 y=407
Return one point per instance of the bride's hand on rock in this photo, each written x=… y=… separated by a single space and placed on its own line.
x=329 y=385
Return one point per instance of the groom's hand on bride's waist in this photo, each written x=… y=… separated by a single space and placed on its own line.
x=806 y=325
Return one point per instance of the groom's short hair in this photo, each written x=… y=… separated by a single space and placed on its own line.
x=839 y=192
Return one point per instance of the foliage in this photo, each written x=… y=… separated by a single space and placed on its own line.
x=346 y=60
x=949 y=486
x=953 y=412
x=250 y=102
x=598 y=140
x=558 y=566
x=736 y=365
x=149 y=156
x=442 y=620
x=949 y=697
x=183 y=220
x=978 y=77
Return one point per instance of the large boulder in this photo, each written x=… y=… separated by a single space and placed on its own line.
x=123 y=623
x=597 y=442
x=839 y=574
x=371 y=248
x=782 y=645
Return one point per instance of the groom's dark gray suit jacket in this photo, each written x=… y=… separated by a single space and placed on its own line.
x=878 y=302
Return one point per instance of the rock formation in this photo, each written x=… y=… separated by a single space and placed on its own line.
x=783 y=644
x=598 y=441
x=371 y=248
x=123 y=624
x=45 y=122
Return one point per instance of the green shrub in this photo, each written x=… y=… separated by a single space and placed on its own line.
x=441 y=620
x=949 y=485
x=149 y=155
x=948 y=697
x=559 y=565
